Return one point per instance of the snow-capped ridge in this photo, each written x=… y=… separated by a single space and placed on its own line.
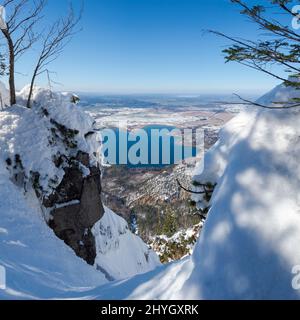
x=281 y=95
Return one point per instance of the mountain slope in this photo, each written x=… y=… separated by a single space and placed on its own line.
x=249 y=245
x=120 y=253
x=49 y=167
x=38 y=265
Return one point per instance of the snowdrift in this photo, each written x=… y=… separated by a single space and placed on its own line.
x=38 y=265
x=248 y=247
x=119 y=252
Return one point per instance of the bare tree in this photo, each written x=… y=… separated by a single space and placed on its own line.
x=58 y=36
x=19 y=32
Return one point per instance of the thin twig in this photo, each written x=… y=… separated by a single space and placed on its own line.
x=190 y=191
x=267 y=107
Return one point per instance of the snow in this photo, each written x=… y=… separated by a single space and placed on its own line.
x=248 y=248
x=38 y=265
x=280 y=94
x=22 y=128
x=121 y=253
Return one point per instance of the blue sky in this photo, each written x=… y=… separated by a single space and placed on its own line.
x=151 y=46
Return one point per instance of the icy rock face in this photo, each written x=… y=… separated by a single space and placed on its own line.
x=74 y=205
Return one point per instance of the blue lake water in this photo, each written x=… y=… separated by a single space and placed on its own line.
x=163 y=153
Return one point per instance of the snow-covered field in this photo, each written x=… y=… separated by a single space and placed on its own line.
x=177 y=117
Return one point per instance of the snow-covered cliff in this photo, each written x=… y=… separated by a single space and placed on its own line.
x=50 y=167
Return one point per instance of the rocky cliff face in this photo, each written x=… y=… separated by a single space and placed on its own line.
x=53 y=153
x=62 y=167
x=75 y=206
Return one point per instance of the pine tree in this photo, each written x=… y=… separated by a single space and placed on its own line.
x=278 y=45
x=133 y=223
x=170 y=224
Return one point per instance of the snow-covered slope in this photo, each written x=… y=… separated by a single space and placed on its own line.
x=249 y=245
x=280 y=94
x=38 y=265
x=121 y=253
x=178 y=246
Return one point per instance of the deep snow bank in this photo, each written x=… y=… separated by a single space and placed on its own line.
x=38 y=265
x=248 y=246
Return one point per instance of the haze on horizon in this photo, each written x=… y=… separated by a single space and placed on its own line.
x=151 y=47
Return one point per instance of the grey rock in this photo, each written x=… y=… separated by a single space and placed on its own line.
x=81 y=195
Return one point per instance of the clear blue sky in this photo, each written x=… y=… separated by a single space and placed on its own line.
x=152 y=46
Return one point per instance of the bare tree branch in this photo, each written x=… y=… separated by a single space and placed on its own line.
x=288 y=105
x=23 y=16
x=188 y=190
x=59 y=35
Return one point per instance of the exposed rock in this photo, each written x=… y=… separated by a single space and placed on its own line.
x=75 y=206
